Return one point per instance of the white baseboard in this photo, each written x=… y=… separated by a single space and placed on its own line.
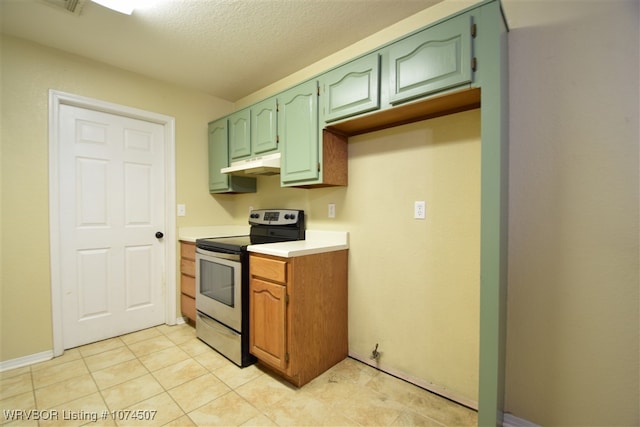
x=511 y=420
x=26 y=360
x=181 y=320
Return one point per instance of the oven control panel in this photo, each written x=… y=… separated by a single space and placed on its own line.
x=276 y=217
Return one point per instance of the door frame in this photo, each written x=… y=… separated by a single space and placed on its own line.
x=56 y=99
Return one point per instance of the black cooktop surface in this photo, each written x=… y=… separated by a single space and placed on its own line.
x=267 y=226
x=234 y=243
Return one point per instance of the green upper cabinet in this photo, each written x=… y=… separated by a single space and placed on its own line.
x=351 y=89
x=432 y=60
x=299 y=134
x=240 y=134
x=219 y=158
x=218 y=155
x=264 y=131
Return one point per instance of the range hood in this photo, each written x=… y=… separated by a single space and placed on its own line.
x=263 y=165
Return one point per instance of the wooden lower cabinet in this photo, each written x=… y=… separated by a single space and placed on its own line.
x=188 y=280
x=298 y=313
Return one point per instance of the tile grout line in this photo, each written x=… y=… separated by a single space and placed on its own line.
x=184 y=413
x=149 y=372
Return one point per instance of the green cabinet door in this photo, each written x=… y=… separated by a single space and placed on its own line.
x=435 y=59
x=218 y=155
x=299 y=135
x=351 y=89
x=264 y=131
x=239 y=135
x=219 y=158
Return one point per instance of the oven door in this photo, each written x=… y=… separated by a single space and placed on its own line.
x=218 y=287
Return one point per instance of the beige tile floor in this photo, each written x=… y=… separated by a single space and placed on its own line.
x=166 y=375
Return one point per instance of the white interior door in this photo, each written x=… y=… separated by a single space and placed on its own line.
x=111 y=205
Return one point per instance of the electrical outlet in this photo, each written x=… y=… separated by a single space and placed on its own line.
x=419 y=210
x=332 y=210
x=182 y=210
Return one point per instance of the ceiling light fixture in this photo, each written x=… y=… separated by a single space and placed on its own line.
x=122 y=6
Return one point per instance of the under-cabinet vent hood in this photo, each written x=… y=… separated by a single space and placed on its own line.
x=263 y=165
x=73 y=6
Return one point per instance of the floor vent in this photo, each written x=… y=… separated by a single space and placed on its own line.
x=72 y=6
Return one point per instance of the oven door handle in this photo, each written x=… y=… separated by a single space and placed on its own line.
x=219 y=328
x=216 y=254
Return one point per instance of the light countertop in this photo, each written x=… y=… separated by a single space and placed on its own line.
x=190 y=234
x=316 y=241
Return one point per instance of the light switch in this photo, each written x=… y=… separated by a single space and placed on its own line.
x=182 y=210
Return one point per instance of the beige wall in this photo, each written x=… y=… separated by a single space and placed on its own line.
x=413 y=285
x=573 y=320
x=28 y=72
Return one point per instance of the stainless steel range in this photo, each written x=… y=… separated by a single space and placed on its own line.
x=222 y=280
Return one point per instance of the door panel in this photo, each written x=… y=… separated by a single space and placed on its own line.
x=352 y=89
x=298 y=131
x=433 y=60
x=218 y=156
x=111 y=205
x=264 y=132
x=138 y=283
x=92 y=199
x=240 y=135
x=93 y=292
x=268 y=322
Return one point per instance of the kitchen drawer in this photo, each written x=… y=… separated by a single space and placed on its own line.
x=188 y=267
x=188 y=250
x=272 y=269
x=188 y=285
x=188 y=306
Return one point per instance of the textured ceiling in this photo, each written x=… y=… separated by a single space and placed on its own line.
x=227 y=48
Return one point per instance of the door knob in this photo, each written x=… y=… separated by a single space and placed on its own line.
x=159 y=235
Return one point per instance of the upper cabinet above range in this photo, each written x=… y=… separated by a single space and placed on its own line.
x=240 y=134
x=253 y=130
x=264 y=126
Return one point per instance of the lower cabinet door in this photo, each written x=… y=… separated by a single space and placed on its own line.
x=268 y=323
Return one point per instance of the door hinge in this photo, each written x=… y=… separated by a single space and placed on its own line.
x=286 y=298
x=474 y=30
x=474 y=64
x=286 y=357
x=318 y=166
x=318 y=90
x=277 y=139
